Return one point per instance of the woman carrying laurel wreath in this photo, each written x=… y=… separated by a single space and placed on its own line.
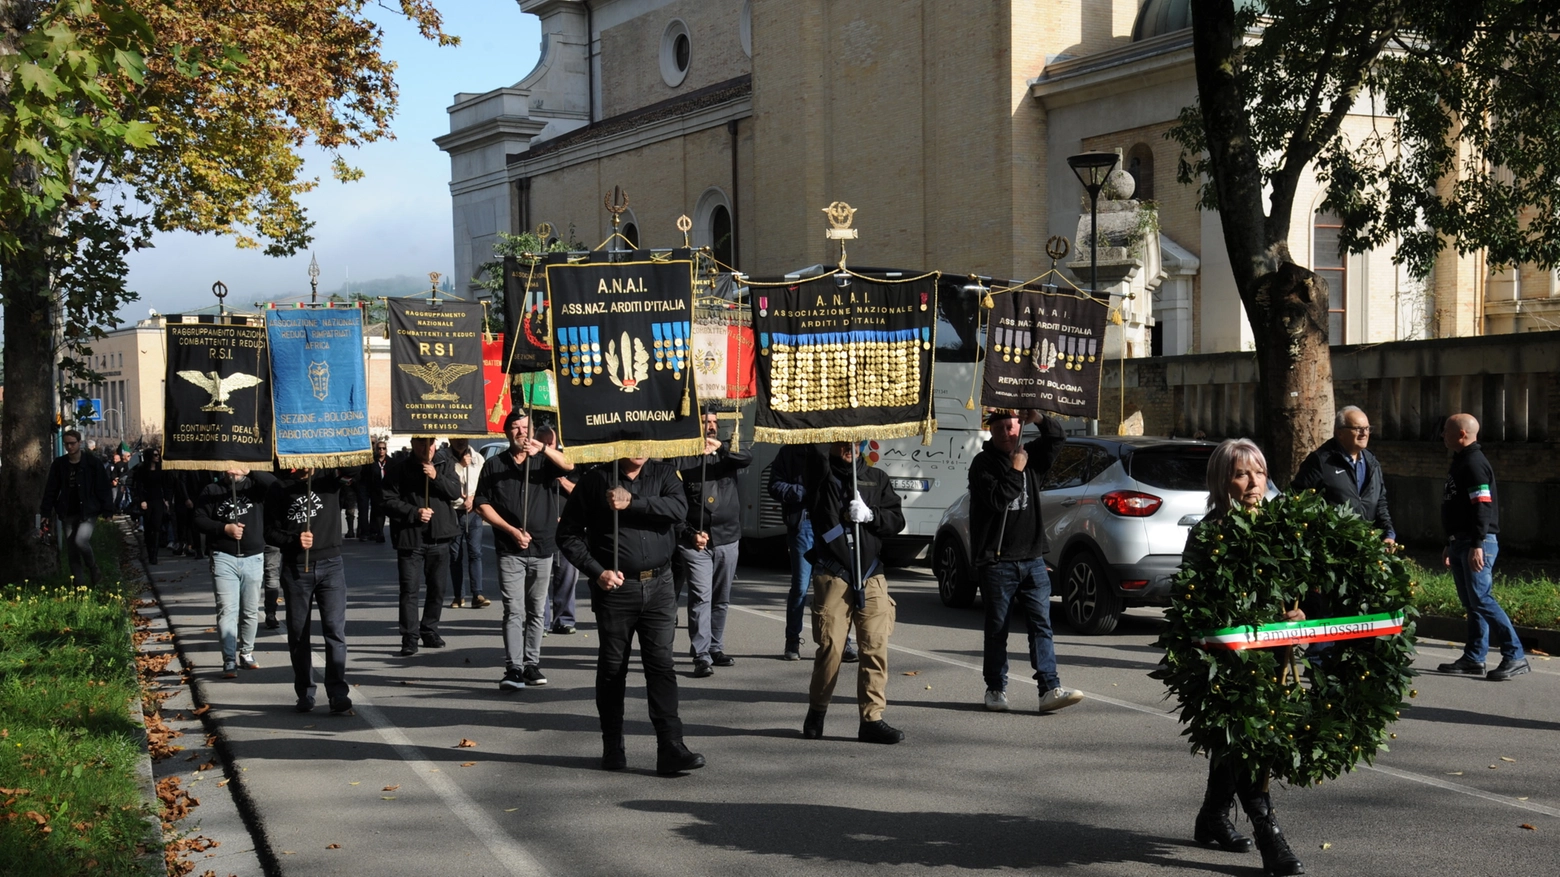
x=1237 y=479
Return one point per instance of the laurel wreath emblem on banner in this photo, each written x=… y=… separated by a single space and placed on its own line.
x=633 y=373
x=1242 y=571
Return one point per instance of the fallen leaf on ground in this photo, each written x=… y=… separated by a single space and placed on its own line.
x=1326 y=846
x=221 y=783
x=1454 y=773
x=1538 y=652
x=287 y=852
x=333 y=846
x=203 y=710
x=465 y=744
x=928 y=688
x=207 y=766
x=210 y=630
x=469 y=764
x=1523 y=798
x=913 y=673
x=511 y=809
x=391 y=788
x=353 y=784
x=1528 y=827
x=1494 y=767
x=1512 y=760
x=387 y=797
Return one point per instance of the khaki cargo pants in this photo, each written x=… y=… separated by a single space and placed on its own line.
x=832 y=615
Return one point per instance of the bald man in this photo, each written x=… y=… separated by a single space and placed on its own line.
x=1470 y=514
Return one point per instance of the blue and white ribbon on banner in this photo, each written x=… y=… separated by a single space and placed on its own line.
x=319 y=387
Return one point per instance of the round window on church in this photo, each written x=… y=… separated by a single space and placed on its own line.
x=676 y=52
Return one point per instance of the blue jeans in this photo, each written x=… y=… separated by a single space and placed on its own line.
x=236 y=581
x=560 y=602
x=466 y=557
x=1474 y=590
x=1025 y=582
x=799 y=540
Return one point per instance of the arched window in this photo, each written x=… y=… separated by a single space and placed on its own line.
x=631 y=232
x=712 y=225
x=1140 y=164
x=1331 y=264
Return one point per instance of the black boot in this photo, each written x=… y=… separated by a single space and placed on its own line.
x=673 y=758
x=812 y=726
x=1214 y=827
x=613 y=755
x=1277 y=859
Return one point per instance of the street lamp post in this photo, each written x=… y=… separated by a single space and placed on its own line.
x=1092 y=169
x=314 y=280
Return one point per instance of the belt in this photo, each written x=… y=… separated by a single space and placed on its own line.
x=644 y=575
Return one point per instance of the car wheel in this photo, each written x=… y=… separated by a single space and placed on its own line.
x=1090 y=602
x=955 y=583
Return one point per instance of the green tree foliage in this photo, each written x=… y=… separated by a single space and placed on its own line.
x=1463 y=155
x=120 y=117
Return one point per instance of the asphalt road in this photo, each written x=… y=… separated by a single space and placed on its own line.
x=1106 y=787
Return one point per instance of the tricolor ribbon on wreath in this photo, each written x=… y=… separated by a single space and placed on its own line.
x=1291 y=633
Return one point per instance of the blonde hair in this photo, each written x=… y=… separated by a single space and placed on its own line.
x=1221 y=467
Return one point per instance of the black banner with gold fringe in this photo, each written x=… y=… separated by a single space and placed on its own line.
x=622 y=347
x=1044 y=350
x=436 y=386
x=217 y=408
x=845 y=357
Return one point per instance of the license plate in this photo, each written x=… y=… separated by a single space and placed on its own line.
x=921 y=484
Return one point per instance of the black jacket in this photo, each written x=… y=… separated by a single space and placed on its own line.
x=714 y=504
x=503 y=487
x=157 y=487
x=221 y=504
x=828 y=507
x=1470 y=504
x=787 y=482
x=994 y=488
x=297 y=504
x=647 y=529
x=404 y=491
x=371 y=484
x=92 y=487
x=1329 y=471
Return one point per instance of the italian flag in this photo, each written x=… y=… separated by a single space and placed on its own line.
x=1480 y=494
x=1289 y=633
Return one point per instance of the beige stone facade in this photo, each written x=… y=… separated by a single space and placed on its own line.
x=947 y=124
x=133 y=364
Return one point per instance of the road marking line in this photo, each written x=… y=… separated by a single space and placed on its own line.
x=1389 y=771
x=510 y=854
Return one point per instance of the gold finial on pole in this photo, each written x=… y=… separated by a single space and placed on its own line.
x=617 y=203
x=840 y=217
x=685 y=225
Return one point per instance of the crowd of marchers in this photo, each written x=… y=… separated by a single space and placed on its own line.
x=643 y=531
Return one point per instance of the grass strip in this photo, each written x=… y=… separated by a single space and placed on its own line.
x=1530 y=601
x=69 y=799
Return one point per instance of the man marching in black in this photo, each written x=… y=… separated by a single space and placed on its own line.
x=848 y=584
x=417 y=495
x=619 y=529
x=303 y=519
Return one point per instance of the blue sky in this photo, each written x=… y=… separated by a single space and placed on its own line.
x=396 y=220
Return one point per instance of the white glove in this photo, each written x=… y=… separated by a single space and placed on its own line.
x=860 y=512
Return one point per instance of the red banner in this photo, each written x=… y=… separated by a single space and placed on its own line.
x=495 y=384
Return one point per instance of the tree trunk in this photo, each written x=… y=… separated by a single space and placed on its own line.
x=1288 y=313
x=25 y=425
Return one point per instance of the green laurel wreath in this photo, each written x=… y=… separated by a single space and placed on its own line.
x=1246 y=569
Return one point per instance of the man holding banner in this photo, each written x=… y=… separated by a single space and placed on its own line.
x=518 y=494
x=303 y=519
x=417 y=496
x=707 y=551
x=230 y=513
x=852 y=507
x=1008 y=545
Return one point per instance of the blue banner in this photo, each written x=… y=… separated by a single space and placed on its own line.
x=321 y=396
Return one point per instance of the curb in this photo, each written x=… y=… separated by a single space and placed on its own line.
x=152 y=862
x=1456 y=629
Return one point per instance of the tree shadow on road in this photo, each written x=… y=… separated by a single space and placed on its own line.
x=978 y=841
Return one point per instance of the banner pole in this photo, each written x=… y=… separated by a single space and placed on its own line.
x=704 y=481
x=616 y=465
x=856 y=525
x=234 y=482
x=308 y=516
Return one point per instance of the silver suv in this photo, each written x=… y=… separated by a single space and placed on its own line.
x=1116 y=510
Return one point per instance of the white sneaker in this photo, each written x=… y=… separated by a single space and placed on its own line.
x=996 y=701
x=1057 y=698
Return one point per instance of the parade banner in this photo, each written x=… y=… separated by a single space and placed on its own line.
x=319 y=388
x=1298 y=633
x=495 y=383
x=622 y=346
x=526 y=318
x=723 y=354
x=217 y=404
x=436 y=368
x=845 y=363
x=1043 y=351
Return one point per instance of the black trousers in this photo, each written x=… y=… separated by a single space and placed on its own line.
x=648 y=609
x=430 y=565
x=323 y=584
